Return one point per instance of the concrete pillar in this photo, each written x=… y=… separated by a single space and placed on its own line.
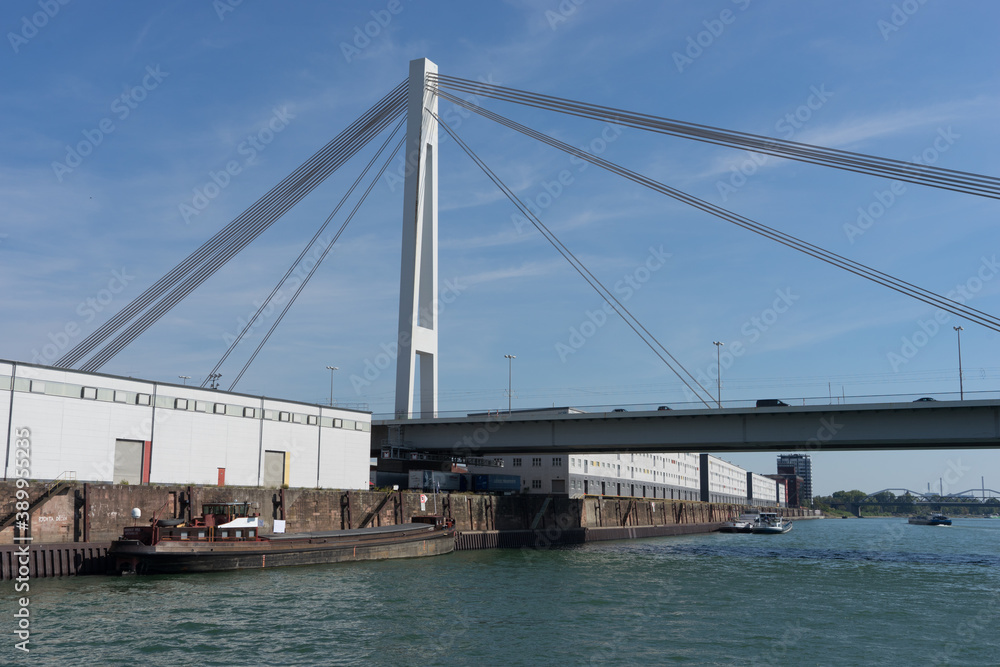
x=418 y=279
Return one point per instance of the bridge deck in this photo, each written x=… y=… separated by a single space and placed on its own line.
x=876 y=426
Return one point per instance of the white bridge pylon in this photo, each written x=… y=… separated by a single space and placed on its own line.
x=418 y=276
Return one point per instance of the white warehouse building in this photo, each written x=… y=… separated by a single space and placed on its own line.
x=763 y=491
x=722 y=481
x=105 y=428
x=576 y=475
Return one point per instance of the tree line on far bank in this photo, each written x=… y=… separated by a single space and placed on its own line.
x=886 y=502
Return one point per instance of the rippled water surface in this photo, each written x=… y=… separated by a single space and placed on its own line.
x=831 y=592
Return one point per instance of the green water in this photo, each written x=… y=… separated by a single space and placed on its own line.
x=831 y=592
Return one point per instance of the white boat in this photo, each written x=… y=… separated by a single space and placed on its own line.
x=742 y=524
x=769 y=523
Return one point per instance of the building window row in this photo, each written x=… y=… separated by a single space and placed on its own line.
x=144 y=399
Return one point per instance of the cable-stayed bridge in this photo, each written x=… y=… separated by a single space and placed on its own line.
x=407 y=119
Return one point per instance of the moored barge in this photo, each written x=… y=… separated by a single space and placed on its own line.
x=227 y=537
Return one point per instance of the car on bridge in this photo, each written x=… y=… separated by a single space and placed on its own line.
x=771 y=403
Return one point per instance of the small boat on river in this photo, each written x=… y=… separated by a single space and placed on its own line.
x=769 y=523
x=742 y=524
x=930 y=520
x=227 y=537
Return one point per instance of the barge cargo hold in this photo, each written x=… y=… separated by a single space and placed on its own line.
x=218 y=541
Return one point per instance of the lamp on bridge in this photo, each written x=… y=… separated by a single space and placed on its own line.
x=961 y=389
x=185 y=378
x=332 y=369
x=510 y=361
x=213 y=380
x=718 y=364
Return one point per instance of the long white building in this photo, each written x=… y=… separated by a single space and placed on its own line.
x=722 y=481
x=106 y=428
x=763 y=490
x=576 y=475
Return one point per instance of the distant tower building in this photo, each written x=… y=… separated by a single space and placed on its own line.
x=799 y=465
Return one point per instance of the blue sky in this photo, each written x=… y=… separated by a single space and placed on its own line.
x=163 y=97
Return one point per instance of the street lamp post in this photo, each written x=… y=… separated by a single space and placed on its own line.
x=185 y=378
x=510 y=361
x=718 y=363
x=213 y=379
x=332 y=369
x=961 y=388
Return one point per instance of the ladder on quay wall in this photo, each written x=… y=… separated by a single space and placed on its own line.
x=60 y=484
x=378 y=508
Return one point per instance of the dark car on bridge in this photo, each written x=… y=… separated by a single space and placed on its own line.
x=771 y=403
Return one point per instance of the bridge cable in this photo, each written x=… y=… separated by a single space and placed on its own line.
x=263 y=306
x=886 y=280
x=592 y=280
x=307 y=181
x=269 y=206
x=238 y=241
x=937 y=177
x=326 y=250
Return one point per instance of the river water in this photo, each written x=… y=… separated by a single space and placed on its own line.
x=830 y=592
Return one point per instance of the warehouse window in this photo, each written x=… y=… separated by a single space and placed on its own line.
x=89 y=393
x=143 y=399
x=37 y=387
x=283 y=416
x=557 y=461
x=180 y=404
x=219 y=408
x=121 y=397
x=311 y=420
x=201 y=406
x=536 y=461
x=249 y=412
x=536 y=483
x=517 y=462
